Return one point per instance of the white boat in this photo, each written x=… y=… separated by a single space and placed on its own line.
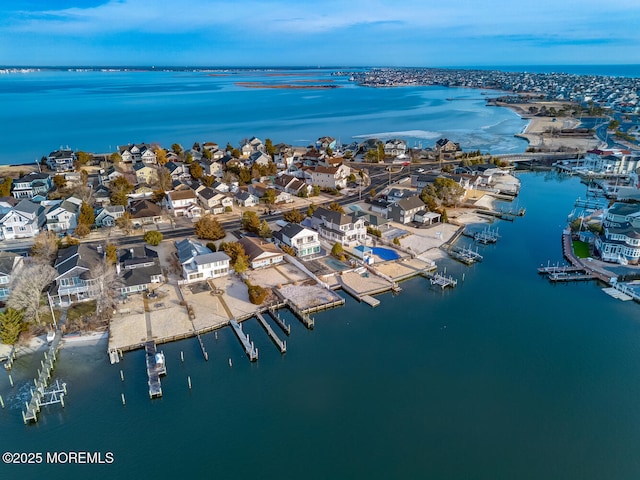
x=50 y=336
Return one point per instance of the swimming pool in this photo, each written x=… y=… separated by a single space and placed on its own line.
x=385 y=253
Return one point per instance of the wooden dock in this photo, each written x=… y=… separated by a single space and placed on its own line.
x=570 y=277
x=369 y=300
x=279 y=321
x=559 y=269
x=303 y=315
x=155 y=367
x=40 y=395
x=248 y=346
x=282 y=345
x=442 y=281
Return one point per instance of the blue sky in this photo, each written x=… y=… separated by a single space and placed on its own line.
x=319 y=32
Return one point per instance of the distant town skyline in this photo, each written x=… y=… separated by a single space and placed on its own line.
x=321 y=33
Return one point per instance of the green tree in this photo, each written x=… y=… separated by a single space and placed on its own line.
x=84 y=158
x=336 y=207
x=337 y=251
x=59 y=182
x=11 y=325
x=316 y=190
x=125 y=223
x=348 y=155
x=241 y=264
x=257 y=294
x=153 y=237
x=311 y=209
x=208 y=180
x=5 y=187
x=206 y=153
x=293 y=216
x=177 y=148
x=111 y=254
x=208 y=228
x=116 y=158
x=265 y=230
x=87 y=215
x=268 y=145
x=329 y=151
x=372 y=192
x=251 y=222
x=195 y=169
x=120 y=189
x=269 y=196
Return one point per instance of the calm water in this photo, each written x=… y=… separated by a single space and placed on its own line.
x=96 y=111
x=505 y=377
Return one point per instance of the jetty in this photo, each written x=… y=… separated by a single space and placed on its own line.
x=155 y=367
x=282 y=345
x=40 y=396
x=249 y=348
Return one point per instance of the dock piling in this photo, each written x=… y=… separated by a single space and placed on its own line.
x=124 y=402
x=181 y=356
x=121 y=376
x=189 y=382
x=10 y=380
x=1 y=402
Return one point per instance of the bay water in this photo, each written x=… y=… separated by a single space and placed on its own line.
x=506 y=376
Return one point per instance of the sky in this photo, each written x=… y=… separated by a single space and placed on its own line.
x=318 y=32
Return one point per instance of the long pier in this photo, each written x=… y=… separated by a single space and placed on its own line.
x=249 y=348
x=155 y=368
x=279 y=321
x=40 y=396
x=282 y=345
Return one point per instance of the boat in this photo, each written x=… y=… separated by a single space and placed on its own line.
x=50 y=336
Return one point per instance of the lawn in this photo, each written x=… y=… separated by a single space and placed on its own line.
x=581 y=249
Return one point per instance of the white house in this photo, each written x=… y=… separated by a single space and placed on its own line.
x=31 y=184
x=10 y=263
x=337 y=227
x=107 y=216
x=199 y=263
x=64 y=216
x=305 y=242
x=137 y=153
x=330 y=177
x=23 y=221
x=619 y=243
x=246 y=199
x=260 y=252
x=61 y=160
x=183 y=202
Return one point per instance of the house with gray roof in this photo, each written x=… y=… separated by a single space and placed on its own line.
x=32 y=184
x=63 y=218
x=620 y=242
x=304 y=241
x=404 y=210
x=61 y=160
x=200 y=263
x=338 y=227
x=139 y=269
x=25 y=220
x=73 y=282
x=10 y=264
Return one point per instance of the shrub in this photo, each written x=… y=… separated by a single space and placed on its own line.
x=153 y=237
x=257 y=294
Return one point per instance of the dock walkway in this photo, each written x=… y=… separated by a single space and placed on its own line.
x=155 y=368
x=249 y=348
x=279 y=321
x=282 y=345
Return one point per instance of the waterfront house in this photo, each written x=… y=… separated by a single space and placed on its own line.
x=145 y=212
x=10 y=264
x=304 y=242
x=107 y=216
x=137 y=153
x=139 y=269
x=62 y=160
x=73 y=282
x=63 y=218
x=620 y=242
x=404 y=210
x=611 y=162
x=200 y=263
x=25 y=220
x=32 y=184
x=338 y=227
x=260 y=252
x=620 y=213
x=446 y=147
x=330 y=177
x=183 y=203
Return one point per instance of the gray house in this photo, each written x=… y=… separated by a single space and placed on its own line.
x=404 y=210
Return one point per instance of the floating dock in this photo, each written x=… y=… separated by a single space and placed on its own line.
x=155 y=368
x=282 y=345
x=249 y=348
x=617 y=294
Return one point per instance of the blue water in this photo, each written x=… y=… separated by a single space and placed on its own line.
x=96 y=111
x=385 y=253
x=505 y=377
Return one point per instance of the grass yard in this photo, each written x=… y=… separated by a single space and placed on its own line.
x=581 y=249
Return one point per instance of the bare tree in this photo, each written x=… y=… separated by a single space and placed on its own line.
x=26 y=289
x=105 y=284
x=45 y=247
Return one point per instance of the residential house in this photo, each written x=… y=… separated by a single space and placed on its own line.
x=25 y=220
x=145 y=173
x=292 y=185
x=259 y=158
x=32 y=184
x=252 y=145
x=10 y=264
x=107 y=216
x=446 y=149
x=395 y=147
x=200 y=263
x=211 y=167
x=73 y=282
x=137 y=153
x=63 y=218
x=178 y=170
x=145 y=212
x=326 y=142
x=61 y=160
x=330 y=177
x=619 y=243
x=404 y=210
x=620 y=212
x=183 y=203
x=7 y=204
x=213 y=200
x=139 y=269
x=305 y=242
x=612 y=162
x=338 y=227
x=260 y=252
x=246 y=199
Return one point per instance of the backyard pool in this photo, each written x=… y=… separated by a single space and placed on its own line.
x=385 y=253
